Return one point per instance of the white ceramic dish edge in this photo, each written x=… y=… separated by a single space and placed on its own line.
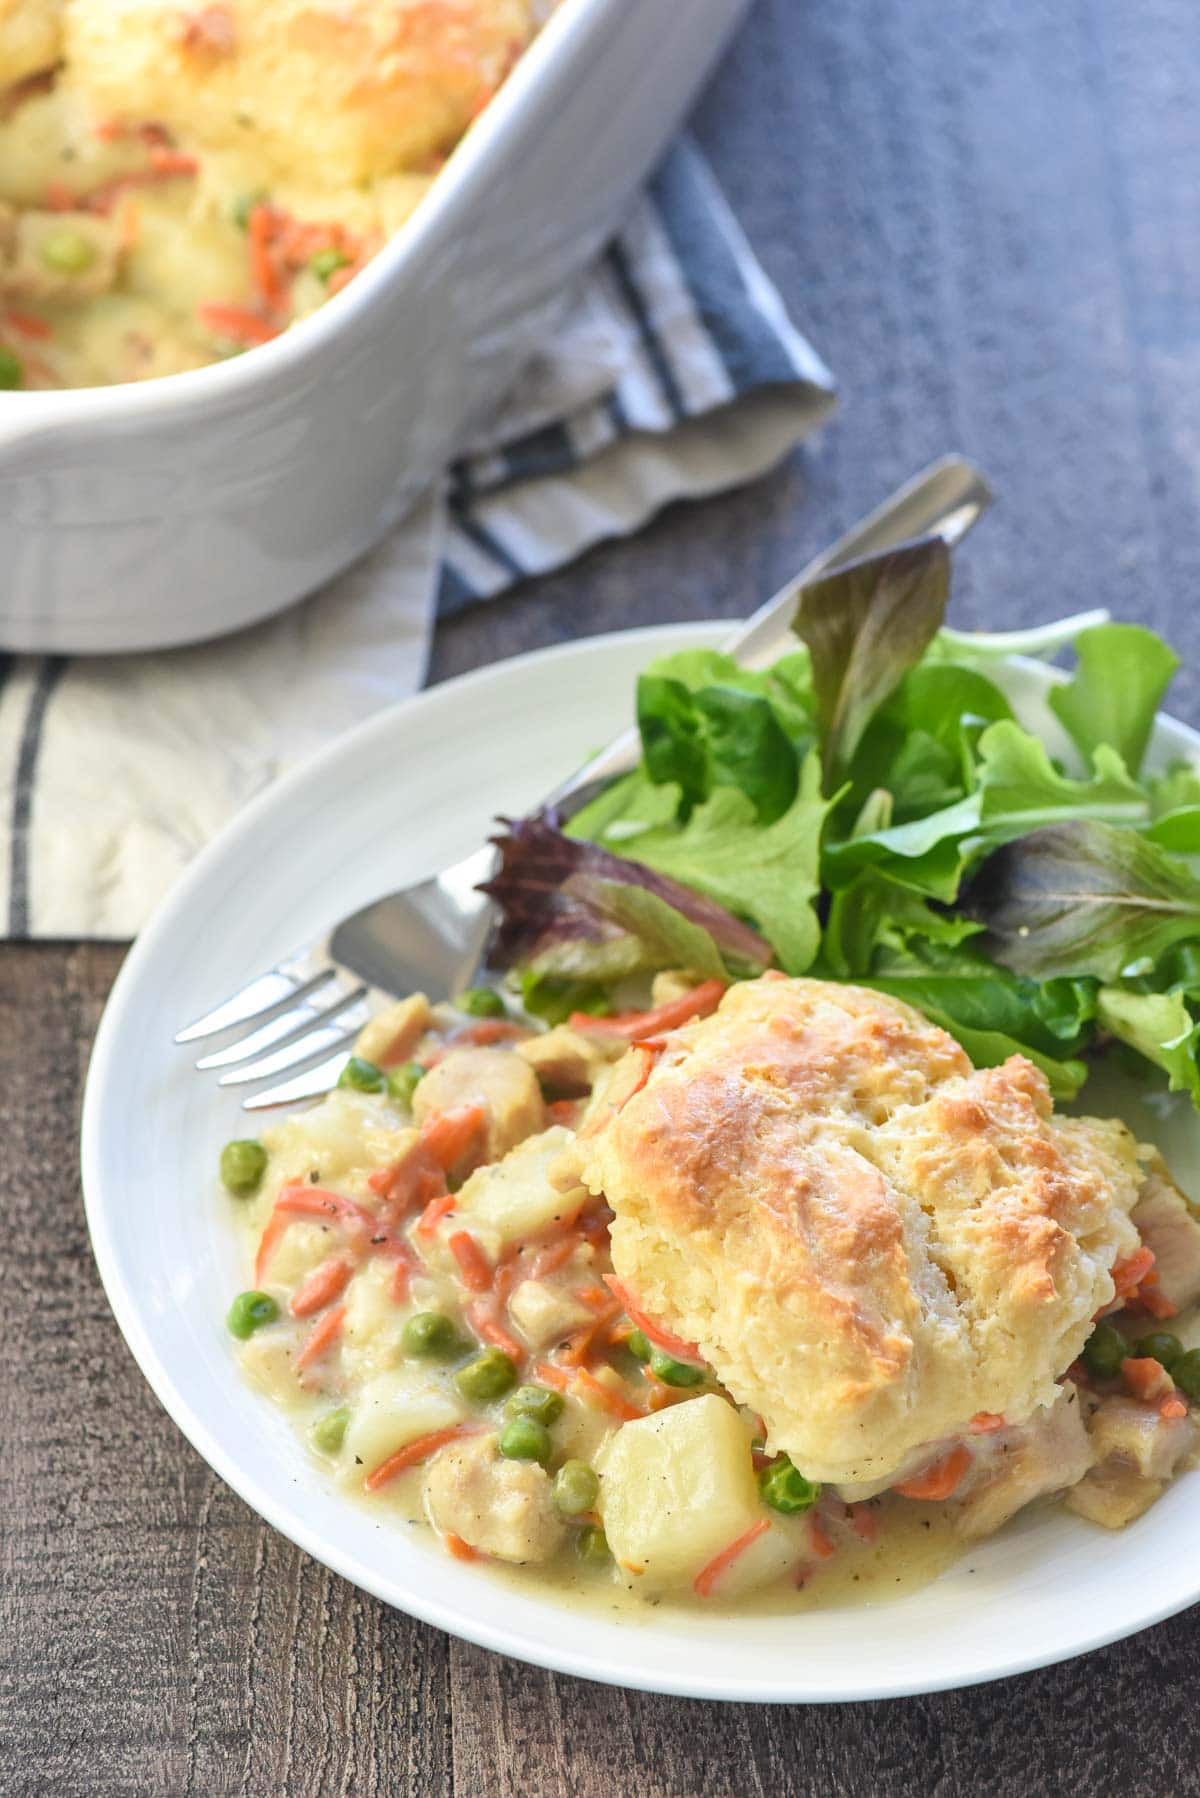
x=457 y=1599
x=255 y=480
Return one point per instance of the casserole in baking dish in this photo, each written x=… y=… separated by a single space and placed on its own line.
x=158 y=513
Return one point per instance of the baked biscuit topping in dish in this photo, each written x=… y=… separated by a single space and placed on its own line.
x=869 y=1241
x=178 y=183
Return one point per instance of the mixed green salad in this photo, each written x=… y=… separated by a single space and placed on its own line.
x=869 y=808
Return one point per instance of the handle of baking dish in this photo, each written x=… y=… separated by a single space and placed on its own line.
x=945 y=500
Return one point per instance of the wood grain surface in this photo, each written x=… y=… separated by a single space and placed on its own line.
x=985 y=216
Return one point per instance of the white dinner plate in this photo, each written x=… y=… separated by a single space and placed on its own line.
x=411 y=790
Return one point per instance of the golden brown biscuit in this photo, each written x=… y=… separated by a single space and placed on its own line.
x=870 y=1241
x=332 y=91
x=30 y=38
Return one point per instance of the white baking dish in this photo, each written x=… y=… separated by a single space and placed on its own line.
x=144 y=516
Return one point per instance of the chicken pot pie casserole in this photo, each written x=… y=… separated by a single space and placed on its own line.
x=763 y=1291
x=182 y=182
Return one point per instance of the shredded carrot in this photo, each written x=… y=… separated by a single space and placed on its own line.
x=434 y=1212
x=564 y=1111
x=865 y=1522
x=260 y=232
x=484 y=1032
x=486 y=1324
x=167 y=164
x=129 y=228
x=597 y=1393
x=59 y=197
x=461 y=1551
x=322 y=1286
x=238 y=323
x=819 y=1539
x=553 y=1256
x=449 y=1134
x=699 y=1003
x=410 y=1181
x=984 y=1423
x=401 y=1276
x=1146 y=1378
x=324 y=1335
x=473 y=1264
x=708 y=1576
x=1172 y=1407
x=28 y=324
x=631 y=1074
x=594 y=1297
x=655 y=1333
x=550 y=1375
x=416 y=1451
x=1150 y=1297
x=1129 y=1273
x=939 y=1481
x=582 y=1345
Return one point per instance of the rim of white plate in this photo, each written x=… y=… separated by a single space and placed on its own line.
x=446 y=1598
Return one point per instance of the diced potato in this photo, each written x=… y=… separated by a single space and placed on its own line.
x=391 y=1411
x=268 y=1358
x=544 y=1313
x=1113 y=1494
x=513 y=1199
x=374 y=1322
x=393 y=1034
x=347 y=1132
x=302 y=1247
x=677 y=1488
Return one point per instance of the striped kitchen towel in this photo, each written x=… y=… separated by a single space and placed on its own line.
x=675 y=373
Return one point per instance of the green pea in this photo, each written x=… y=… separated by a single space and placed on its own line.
x=431 y=1335
x=328 y=1431
x=243 y=1164
x=488 y=1377
x=591 y=1545
x=1104 y=1351
x=327 y=262
x=402 y=1082
x=537 y=1402
x=785 y=1489
x=1186 y=1375
x=12 y=370
x=67 y=251
x=362 y=1076
x=576 y=1488
x=249 y=1311
x=525 y=1439
x=244 y=205
x=1161 y=1346
x=675 y=1373
x=638 y=1345
x=481 y=1002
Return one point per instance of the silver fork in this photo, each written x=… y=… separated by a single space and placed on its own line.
x=300 y=1018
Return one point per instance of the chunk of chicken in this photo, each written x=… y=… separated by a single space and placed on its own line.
x=1134 y=1432
x=567 y=1061
x=391 y=1036
x=501 y=1508
x=1113 y=1494
x=1165 y=1222
x=1051 y=1451
x=57 y=256
x=544 y=1313
x=498 y=1080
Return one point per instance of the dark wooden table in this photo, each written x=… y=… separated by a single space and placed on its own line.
x=985 y=216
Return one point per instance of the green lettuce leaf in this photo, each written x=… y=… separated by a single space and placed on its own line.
x=1111 y=701
x=865 y=626
x=1084 y=898
x=1158 y=1026
x=718 y=736
x=1021 y=790
x=769 y=874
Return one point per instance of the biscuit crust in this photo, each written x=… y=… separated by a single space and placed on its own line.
x=869 y=1240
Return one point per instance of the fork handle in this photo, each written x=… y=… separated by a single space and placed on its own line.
x=944 y=500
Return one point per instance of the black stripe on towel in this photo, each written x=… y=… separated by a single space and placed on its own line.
x=634 y=299
x=47 y=678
